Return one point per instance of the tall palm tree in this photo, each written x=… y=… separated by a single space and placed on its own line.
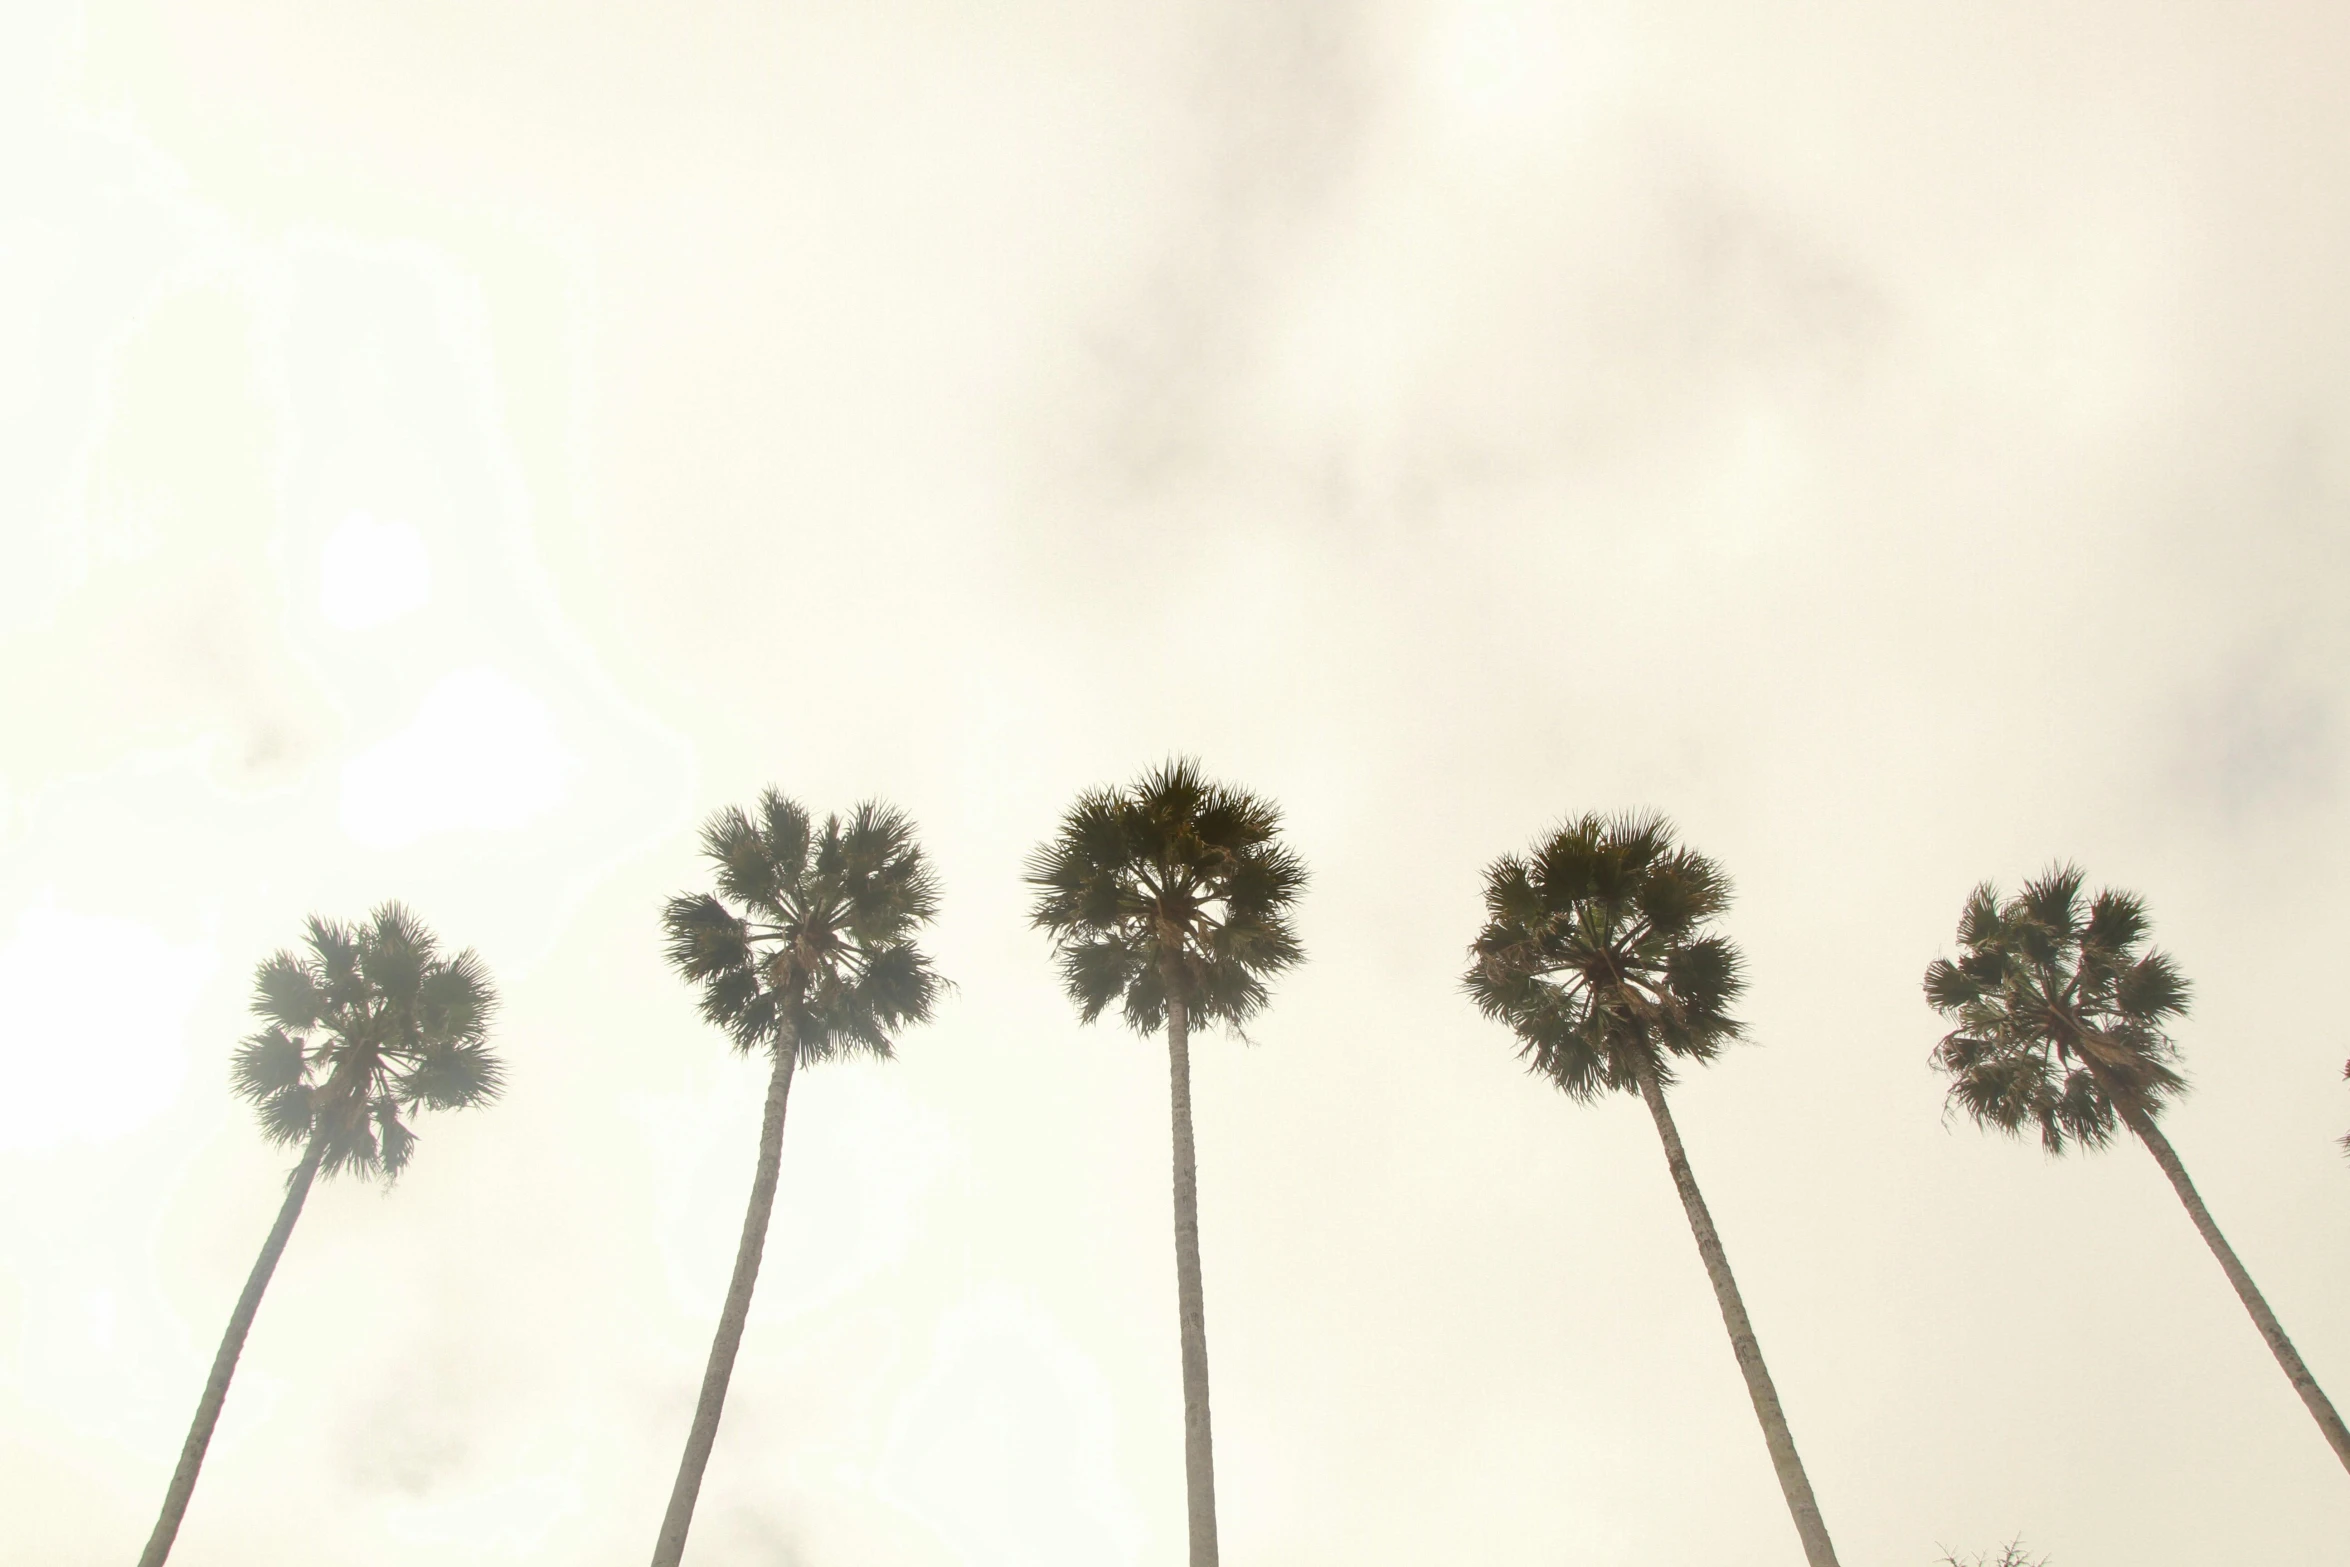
x=369 y=1025
x=2062 y=1026
x=806 y=953
x=1171 y=898
x=1596 y=952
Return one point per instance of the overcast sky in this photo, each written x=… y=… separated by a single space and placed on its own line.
x=447 y=450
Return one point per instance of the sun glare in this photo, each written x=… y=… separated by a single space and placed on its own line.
x=371 y=573
x=97 y=1009
x=482 y=753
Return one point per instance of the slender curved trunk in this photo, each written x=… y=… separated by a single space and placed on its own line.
x=2321 y=1408
x=1781 y=1441
x=1199 y=1456
x=224 y=1363
x=671 y=1545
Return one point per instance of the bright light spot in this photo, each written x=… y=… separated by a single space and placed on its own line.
x=481 y=754
x=371 y=572
x=92 y=1013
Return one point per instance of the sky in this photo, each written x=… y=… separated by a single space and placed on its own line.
x=447 y=451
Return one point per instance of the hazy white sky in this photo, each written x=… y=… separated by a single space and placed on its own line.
x=446 y=450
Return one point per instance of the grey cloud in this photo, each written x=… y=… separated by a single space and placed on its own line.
x=1274 y=104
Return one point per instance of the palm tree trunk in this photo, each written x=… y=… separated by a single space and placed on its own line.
x=1781 y=1441
x=224 y=1363
x=671 y=1545
x=2321 y=1409
x=1199 y=1458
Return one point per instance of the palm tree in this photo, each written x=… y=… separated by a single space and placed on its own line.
x=1171 y=898
x=2061 y=1026
x=1597 y=955
x=371 y=1024
x=819 y=963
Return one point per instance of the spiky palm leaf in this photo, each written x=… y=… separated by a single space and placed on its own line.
x=1594 y=952
x=1174 y=880
x=371 y=1023
x=823 y=938
x=2060 y=1012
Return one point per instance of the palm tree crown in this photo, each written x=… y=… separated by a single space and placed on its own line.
x=1594 y=953
x=1174 y=882
x=2060 y=1014
x=823 y=954
x=371 y=1023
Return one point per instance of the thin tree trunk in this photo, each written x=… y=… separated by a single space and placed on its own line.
x=224 y=1363
x=1781 y=1441
x=2321 y=1409
x=671 y=1545
x=1199 y=1457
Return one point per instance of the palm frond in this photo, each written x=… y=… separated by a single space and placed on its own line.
x=267 y=1064
x=287 y=993
x=898 y=986
x=285 y=1115
x=747 y=871
x=1949 y=987
x=344 y=1123
x=751 y=1013
x=335 y=949
x=455 y=999
x=784 y=833
x=887 y=886
x=704 y=937
x=456 y=1074
x=1978 y=921
x=1098 y=971
x=1076 y=871
x=395 y=953
x=2151 y=989
x=2052 y=901
x=1706 y=975
x=2117 y=922
x=394 y=1142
